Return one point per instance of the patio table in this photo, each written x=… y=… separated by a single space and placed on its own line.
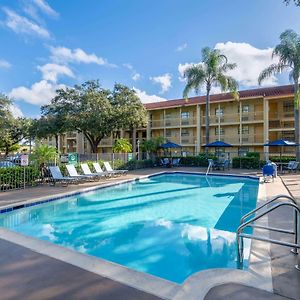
x=281 y=165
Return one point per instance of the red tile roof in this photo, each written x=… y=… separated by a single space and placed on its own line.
x=285 y=90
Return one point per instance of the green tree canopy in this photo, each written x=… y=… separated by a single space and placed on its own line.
x=95 y=111
x=151 y=146
x=212 y=71
x=122 y=146
x=296 y=2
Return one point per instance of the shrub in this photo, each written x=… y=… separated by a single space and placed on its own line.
x=200 y=160
x=14 y=177
x=253 y=154
x=246 y=162
x=284 y=159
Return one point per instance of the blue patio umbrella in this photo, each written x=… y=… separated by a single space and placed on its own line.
x=217 y=145
x=281 y=143
x=170 y=145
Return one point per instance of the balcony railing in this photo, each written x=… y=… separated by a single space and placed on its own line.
x=245 y=139
x=234 y=118
x=173 y=122
x=191 y=140
x=280 y=124
x=281 y=115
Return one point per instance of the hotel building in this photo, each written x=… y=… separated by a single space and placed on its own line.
x=260 y=115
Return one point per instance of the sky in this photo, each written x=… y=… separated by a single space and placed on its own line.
x=144 y=44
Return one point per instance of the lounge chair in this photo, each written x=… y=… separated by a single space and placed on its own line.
x=110 y=169
x=268 y=172
x=87 y=171
x=99 y=170
x=292 y=166
x=176 y=162
x=165 y=162
x=73 y=173
x=223 y=165
x=58 y=177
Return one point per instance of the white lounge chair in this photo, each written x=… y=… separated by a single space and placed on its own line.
x=87 y=171
x=110 y=169
x=73 y=173
x=58 y=177
x=292 y=166
x=99 y=170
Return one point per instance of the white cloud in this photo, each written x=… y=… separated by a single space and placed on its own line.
x=145 y=98
x=39 y=93
x=45 y=7
x=165 y=81
x=4 y=64
x=16 y=111
x=181 y=47
x=23 y=25
x=52 y=71
x=66 y=55
x=128 y=66
x=136 y=76
x=250 y=62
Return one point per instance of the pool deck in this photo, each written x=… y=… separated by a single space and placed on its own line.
x=26 y=274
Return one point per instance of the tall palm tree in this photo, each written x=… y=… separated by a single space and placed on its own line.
x=212 y=71
x=288 y=52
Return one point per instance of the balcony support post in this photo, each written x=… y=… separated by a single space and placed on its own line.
x=266 y=127
x=198 y=130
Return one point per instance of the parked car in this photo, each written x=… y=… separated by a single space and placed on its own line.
x=6 y=164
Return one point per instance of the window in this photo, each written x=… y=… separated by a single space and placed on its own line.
x=185 y=115
x=168 y=119
x=219 y=131
x=185 y=132
x=245 y=108
x=245 y=129
x=168 y=133
x=288 y=106
x=219 y=112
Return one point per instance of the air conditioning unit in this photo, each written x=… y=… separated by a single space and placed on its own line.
x=245 y=118
x=185 y=122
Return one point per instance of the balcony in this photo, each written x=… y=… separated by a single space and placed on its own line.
x=188 y=140
x=173 y=122
x=235 y=140
x=235 y=118
x=281 y=124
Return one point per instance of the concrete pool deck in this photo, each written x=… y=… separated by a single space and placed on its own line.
x=286 y=280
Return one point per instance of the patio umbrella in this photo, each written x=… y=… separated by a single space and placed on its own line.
x=218 y=145
x=281 y=143
x=170 y=145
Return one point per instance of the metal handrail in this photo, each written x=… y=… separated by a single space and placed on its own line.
x=265 y=204
x=240 y=235
x=208 y=168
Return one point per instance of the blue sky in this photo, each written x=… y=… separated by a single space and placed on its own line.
x=143 y=44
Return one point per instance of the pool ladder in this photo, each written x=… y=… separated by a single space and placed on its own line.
x=258 y=213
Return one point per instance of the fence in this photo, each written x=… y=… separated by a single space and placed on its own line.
x=13 y=176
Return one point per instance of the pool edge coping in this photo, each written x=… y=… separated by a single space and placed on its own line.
x=139 y=280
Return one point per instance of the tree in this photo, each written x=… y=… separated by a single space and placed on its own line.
x=12 y=131
x=44 y=154
x=122 y=146
x=288 y=52
x=151 y=146
x=85 y=108
x=128 y=110
x=95 y=111
x=212 y=71
x=296 y=2
x=5 y=102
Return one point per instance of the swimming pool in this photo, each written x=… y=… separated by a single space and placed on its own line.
x=170 y=225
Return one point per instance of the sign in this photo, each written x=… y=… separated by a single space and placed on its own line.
x=24 y=160
x=129 y=156
x=64 y=158
x=72 y=158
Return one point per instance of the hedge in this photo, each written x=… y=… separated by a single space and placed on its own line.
x=246 y=162
x=13 y=177
x=200 y=160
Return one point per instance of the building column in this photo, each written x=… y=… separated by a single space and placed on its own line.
x=148 y=130
x=134 y=141
x=198 y=130
x=240 y=125
x=79 y=143
x=180 y=139
x=266 y=127
x=164 y=116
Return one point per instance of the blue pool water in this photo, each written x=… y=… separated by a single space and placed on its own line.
x=170 y=225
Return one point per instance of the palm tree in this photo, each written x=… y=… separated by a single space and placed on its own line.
x=288 y=52
x=212 y=71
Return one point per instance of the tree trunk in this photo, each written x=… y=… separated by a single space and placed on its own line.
x=94 y=142
x=207 y=114
x=56 y=143
x=296 y=113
